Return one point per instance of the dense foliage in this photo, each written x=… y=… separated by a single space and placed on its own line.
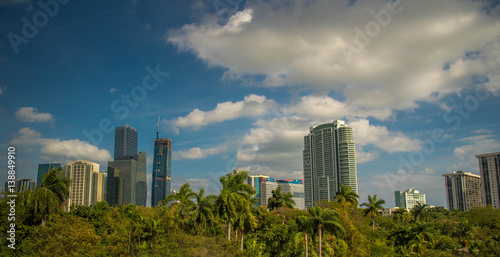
x=228 y=224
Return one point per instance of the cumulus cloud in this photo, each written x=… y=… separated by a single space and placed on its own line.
x=252 y=105
x=198 y=153
x=380 y=137
x=56 y=149
x=474 y=145
x=420 y=54
x=31 y=114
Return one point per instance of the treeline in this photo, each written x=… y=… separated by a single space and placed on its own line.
x=229 y=224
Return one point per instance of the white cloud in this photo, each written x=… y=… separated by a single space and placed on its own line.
x=302 y=44
x=60 y=150
x=474 y=145
x=381 y=137
x=30 y=114
x=2 y=90
x=113 y=90
x=251 y=106
x=198 y=153
x=326 y=107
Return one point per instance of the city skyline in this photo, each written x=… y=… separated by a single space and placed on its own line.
x=241 y=92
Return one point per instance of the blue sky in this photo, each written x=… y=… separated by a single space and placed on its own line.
x=237 y=84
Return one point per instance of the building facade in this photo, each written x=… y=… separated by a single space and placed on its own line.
x=463 y=190
x=489 y=168
x=86 y=183
x=20 y=185
x=256 y=182
x=287 y=186
x=126 y=181
x=161 y=169
x=329 y=159
x=409 y=198
x=125 y=142
x=43 y=169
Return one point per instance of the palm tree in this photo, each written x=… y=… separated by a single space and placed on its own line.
x=203 y=209
x=234 y=198
x=419 y=211
x=245 y=222
x=372 y=207
x=401 y=215
x=58 y=183
x=51 y=197
x=325 y=219
x=305 y=226
x=181 y=201
x=419 y=244
x=345 y=194
x=280 y=200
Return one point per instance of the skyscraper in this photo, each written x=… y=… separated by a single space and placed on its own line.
x=127 y=181
x=409 y=198
x=329 y=160
x=43 y=169
x=161 y=168
x=489 y=166
x=463 y=190
x=125 y=142
x=86 y=186
x=293 y=186
x=21 y=185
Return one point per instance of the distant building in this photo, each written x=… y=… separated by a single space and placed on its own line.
x=409 y=198
x=125 y=142
x=387 y=212
x=127 y=181
x=489 y=167
x=161 y=169
x=234 y=172
x=256 y=182
x=21 y=185
x=329 y=159
x=43 y=169
x=86 y=187
x=294 y=187
x=463 y=190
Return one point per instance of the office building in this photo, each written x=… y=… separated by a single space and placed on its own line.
x=86 y=183
x=21 y=185
x=125 y=142
x=489 y=168
x=409 y=198
x=329 y=160
x=463 y=190
x=256 y=181
x=43 y=169
x=293 y=186
x=126 y=181
x=161 y=169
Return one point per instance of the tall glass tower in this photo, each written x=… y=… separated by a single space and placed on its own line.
x=161 y=168
x=125 y=142
x=329 y=160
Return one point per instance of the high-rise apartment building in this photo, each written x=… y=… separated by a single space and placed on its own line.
x=127 y=181
x=43 y=169
x=489 y=167
x=161 y=169
x=125 y=142
x=463 y=190
x=86 y=183
x=256 y=181
x=329 y=160
x=409 y=198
